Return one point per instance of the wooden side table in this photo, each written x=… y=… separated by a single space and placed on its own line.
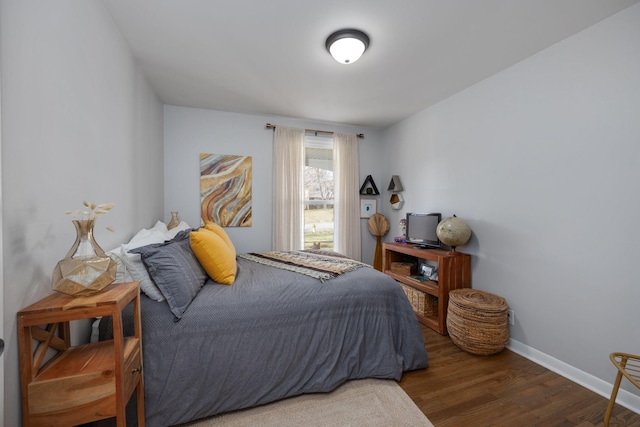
x=82 y=383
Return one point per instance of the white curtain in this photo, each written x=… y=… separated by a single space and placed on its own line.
x=346 y=176
x=288 y=189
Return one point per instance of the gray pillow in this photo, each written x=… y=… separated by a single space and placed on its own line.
x=175 y=270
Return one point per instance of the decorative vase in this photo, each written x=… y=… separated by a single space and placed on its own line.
x=174 y=221
x=86 y=269
x=396 y=201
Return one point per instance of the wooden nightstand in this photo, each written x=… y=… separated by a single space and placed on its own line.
x=81 y=383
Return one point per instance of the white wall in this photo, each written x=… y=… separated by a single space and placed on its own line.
x=2 y=358
x=543 y=161
x=191 y=131
x=79 y=121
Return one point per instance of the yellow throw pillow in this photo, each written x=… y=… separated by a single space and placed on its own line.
x=215 y=255
x=212 y=226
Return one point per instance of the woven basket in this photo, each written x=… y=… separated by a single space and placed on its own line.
x=477 y=321
x=421 y=302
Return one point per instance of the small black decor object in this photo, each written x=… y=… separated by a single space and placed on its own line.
x=369 y=187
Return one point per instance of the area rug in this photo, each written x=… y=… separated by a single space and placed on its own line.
x=357 y=403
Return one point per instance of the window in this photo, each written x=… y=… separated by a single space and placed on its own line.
x=318 y=193
x=341 y=199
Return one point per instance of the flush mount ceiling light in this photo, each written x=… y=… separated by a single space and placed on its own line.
x=347 y=46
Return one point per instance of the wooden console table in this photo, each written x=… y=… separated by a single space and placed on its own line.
x=454 y=272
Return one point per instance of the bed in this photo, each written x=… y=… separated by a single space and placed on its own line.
x=272 y=334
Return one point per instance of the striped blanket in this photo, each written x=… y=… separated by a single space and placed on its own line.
x=322 y=266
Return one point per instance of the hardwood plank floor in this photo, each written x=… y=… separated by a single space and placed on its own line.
x=505 y=389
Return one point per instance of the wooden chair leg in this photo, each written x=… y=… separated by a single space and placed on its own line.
x=612 y=401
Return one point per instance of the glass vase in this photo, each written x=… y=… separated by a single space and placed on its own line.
x=174 y=222
x=86 y=269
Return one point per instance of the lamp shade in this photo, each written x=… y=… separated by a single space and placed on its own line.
x=347 y=46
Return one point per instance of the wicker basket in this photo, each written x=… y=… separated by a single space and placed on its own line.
x=477 y=321
x=422 y=303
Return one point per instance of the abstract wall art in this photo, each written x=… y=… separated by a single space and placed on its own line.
x=225 y=190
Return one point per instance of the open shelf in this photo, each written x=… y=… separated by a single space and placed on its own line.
x=429 y=287
x=454 y=272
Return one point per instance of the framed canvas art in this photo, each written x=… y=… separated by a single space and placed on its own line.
x=367 y=207
x=225 y=190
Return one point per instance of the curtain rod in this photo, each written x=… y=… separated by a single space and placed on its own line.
x=270 y=126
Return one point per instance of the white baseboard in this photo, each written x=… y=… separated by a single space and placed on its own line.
x=603 y=388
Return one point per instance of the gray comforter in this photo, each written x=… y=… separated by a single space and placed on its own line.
x=271 y=335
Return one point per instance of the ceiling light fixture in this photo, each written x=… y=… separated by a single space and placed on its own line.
x=347 y=46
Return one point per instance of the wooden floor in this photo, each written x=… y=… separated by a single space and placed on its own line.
x=459 y=389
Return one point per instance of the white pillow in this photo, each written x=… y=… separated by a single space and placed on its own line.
x=147 y=236
x=134 y=263
x=160 y=226
x=135 y=268
x=178 y=228
x=122 y=272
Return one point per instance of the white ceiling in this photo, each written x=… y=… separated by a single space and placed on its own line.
x=269 y=58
